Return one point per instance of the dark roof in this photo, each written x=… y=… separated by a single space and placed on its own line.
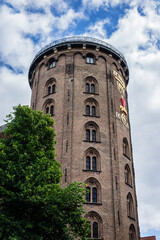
x=3 y=127
x=148 y=238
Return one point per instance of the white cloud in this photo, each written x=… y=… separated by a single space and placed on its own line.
x=70 y=17
x=95 y=4
x=14 y=90
x=98 y=29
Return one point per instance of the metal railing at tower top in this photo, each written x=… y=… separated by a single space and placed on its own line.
x=81 y=39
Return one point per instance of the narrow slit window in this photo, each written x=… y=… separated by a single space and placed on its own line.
x=53 y=88
x=49 y=90
x=94 y=135
x=88 y=197
x=94 y=195
x=87 y=87
x=94 y=164
x=92 y=88
x=93 y=111
x=87 y=110
x=52 y=110
x=88 y=163
x=95 y=230
x=47 y=109
x=87 y=135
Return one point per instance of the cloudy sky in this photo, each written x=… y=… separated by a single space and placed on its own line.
x=132 y=26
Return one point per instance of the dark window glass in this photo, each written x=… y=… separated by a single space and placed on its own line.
x=94 y=194
x=49 y=89
x=95 y=230
x=87 y=135
x=88 y=198
x=53 y=88
x=52 y=110
x=47 y=109
x=87 y=88
x=94 y=167
x=125 y=148
x=89 y=234
x=94 y=135
x=90 y=60
x=92 y=88
x=87 y=110
x=52 y=64
x=88 y=163
x=93 y=111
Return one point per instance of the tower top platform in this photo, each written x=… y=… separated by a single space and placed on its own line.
x=77 y=42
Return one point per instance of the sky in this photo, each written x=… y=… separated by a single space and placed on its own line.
x=133 y=27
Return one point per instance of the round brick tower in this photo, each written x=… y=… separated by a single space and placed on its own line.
x=81 y=82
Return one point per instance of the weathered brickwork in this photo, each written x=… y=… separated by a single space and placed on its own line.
x=89 y=105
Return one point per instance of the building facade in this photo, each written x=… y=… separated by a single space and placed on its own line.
x=82 y=83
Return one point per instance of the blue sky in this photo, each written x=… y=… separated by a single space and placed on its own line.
x=133 y=27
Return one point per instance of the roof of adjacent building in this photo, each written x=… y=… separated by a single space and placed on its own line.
x=2 y=127
x=77 y=41
x=148 y=238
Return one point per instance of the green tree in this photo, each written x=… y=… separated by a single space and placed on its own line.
x=33 y=205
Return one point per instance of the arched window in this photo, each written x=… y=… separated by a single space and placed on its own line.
x=130 y=206
x=88 y=194
x=90 y=59
x=132 y=232
x=88 y=163
x=49 y=107
x=52 y=63
x=126 y=150
x=95 y=230
x=91 y=107
x=50 y=87
x=91 y=85
x=92 y=160
x=128 y=178
x=88 y=135
x=96 y=225
x=87 y=110
x=92 y=132
x=93 y=193
x=50 y=110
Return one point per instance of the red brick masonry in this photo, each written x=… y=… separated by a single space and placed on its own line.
x=148 y=238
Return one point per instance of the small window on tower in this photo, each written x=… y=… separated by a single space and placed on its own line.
x=90 y=59
x=52 y=63
x=126 y=150
x=49 y=107
x=92 y=160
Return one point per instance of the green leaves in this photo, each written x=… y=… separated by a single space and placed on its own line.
x=33 y=204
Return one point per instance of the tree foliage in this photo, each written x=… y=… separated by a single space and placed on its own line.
x=33 y=205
